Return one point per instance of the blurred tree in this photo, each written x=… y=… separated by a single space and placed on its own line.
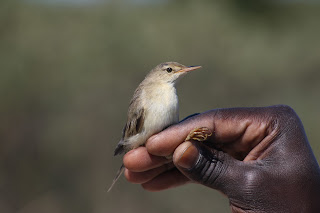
x=68 y=72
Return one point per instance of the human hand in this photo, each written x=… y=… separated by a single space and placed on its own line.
x=259 y=158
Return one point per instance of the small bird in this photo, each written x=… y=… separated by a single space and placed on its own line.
x=154 y=107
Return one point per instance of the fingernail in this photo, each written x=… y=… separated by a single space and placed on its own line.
x=187 y=155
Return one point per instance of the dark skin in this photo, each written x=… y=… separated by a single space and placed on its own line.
x=260 y=158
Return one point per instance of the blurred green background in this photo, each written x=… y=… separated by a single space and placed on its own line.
x=69 y=70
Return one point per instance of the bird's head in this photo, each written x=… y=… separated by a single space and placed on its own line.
x=169 y=72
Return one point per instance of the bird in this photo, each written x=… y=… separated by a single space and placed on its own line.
x=153 y=107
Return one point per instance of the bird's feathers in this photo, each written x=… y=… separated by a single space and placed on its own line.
x=133 y=127
x=119 y=173
x=136 y=116
x=135 y=122
x=154 y=106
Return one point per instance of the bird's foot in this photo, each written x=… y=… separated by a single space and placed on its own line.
x=199 y=134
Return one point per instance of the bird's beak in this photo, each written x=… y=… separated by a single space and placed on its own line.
x=188 y=69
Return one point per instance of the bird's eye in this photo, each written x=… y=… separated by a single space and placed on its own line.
x=169 y=69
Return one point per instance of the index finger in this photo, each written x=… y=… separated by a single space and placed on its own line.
x=139 y=160
x=237 y=131
x=165 y=142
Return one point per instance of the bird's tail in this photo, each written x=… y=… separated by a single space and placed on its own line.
x=120 y=171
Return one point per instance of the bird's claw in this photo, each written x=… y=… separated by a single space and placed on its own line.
x=199 y=134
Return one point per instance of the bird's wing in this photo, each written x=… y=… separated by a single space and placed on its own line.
x=133 y=126
x=136 y=116
x=135 y=122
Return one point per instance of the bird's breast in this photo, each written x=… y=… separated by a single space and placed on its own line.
x=162 y=108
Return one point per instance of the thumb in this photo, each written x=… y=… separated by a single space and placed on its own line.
x=209 y=167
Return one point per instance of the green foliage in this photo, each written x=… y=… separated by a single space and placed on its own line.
x=68 y=72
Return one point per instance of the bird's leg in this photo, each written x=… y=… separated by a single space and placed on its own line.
x=199 y=134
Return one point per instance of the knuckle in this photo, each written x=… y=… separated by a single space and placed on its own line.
x=284 y=112
x=285 y=118
x=285 y=109
x=253 y=178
